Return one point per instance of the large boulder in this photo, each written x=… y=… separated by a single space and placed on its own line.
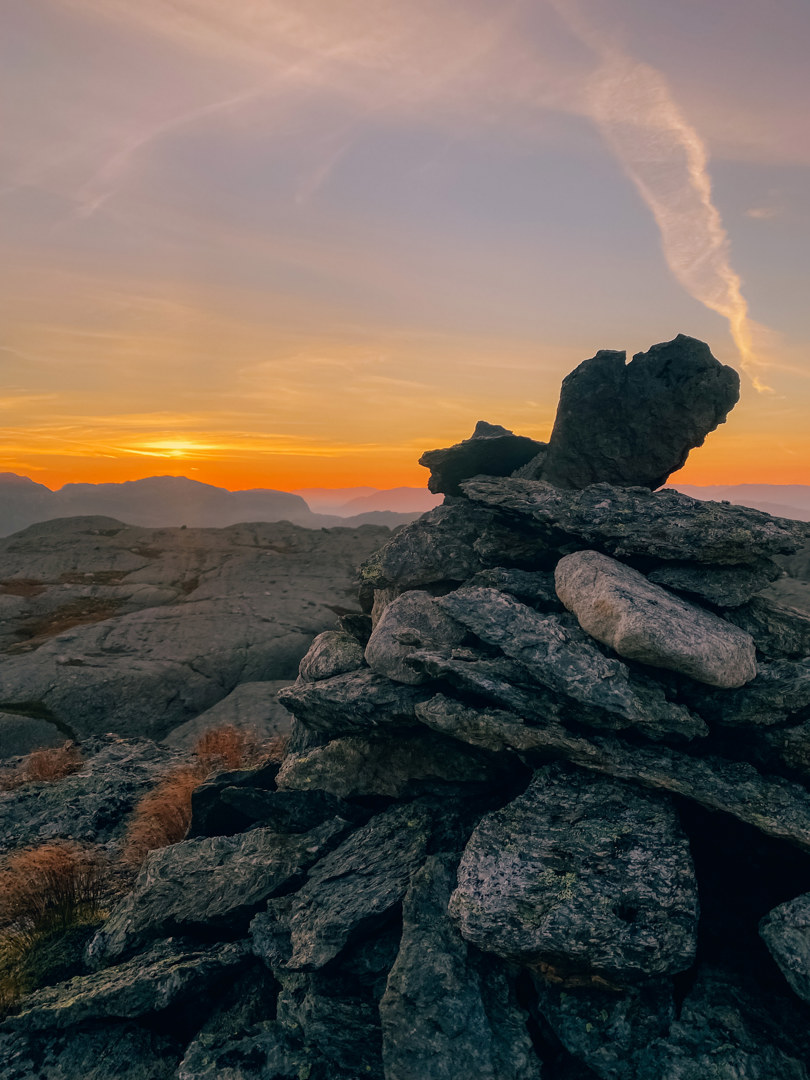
x=491 y=450
x=634 y=424
x=583 y=874
x=642 y=621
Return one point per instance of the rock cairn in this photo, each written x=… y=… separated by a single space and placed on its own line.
x=546 y=810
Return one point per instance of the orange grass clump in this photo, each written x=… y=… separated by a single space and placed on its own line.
x=49 y=886
x=162 y=816
x=54 y=764
x=233 y=747
x=46 y=766
x=50 y=898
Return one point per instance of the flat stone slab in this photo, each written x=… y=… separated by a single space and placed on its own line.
x=564 y=660
x=777 y=807
x=633 y=521
x=208 y=884
x=584 y=874
x=642 y=621
x=167 y=973
x=491 y=450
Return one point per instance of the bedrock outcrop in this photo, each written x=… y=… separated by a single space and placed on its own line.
x=503 y=844
x=110 y=627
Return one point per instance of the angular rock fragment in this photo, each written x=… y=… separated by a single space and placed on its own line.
x=661 y=405
x=641 y=621
x=491 y=450
x=262 y=1051
x=780 y=690
x=207 y=884
x=165 y=975
x=727 y=1030
x=358 y=882
x=435 y=1021
x=779 y=631
x=357 y=702
x=353 y=767
x=335 y=1019
x=530 y=586
x=584 y=874
x=603 y=1027
x=562 y=659
x=412 y=621
x=632 y=521
x=786 y=932
x=437 y=547
x=777 y=807
x=723 y=586
x=331 y=653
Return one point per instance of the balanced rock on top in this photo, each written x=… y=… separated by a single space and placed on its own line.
x=491 y=450
x=634 y=424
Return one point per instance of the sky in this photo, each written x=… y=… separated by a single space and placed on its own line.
x=265 y=244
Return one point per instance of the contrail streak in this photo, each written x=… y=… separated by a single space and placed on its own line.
x=667 y=161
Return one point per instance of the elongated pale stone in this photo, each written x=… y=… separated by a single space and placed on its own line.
x=641 y=621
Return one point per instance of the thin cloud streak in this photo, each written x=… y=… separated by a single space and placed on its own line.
x=666 y=159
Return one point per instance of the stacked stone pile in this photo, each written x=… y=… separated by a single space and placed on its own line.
x=546 y=810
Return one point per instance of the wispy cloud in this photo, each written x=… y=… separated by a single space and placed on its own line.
x=665 y=157
x=763 y=213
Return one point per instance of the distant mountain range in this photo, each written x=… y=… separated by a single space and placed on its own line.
x=781 y=500
x=175 y=500
x=160 y=501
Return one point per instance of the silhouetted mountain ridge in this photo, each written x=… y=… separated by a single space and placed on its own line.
x=159 y=501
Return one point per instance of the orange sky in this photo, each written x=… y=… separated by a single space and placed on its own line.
x=316 y=241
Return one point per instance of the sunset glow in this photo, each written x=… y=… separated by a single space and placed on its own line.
x=321 y=238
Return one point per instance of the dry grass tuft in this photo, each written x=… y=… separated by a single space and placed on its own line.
x=53 y=764
x=163 y=815
x=228 y=746
x=49 y=885
x=49 y=898
x=45 y=766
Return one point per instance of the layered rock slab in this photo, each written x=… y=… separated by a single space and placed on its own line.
x=161 y=977
x=634 y=424
x=632 y=521
x=582 y=874
x=779 y=808
x=565 y=661
x=439 y=1019
x=642 y=621
x=491 y=450
x=207 y=884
